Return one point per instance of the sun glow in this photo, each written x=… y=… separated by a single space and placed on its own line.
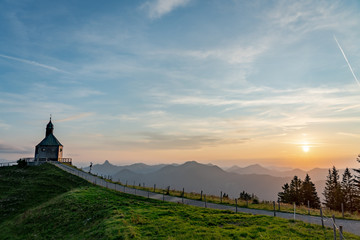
x=305 y=148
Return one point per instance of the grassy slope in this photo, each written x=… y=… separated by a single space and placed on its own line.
x=91 y=212
x=21 y=189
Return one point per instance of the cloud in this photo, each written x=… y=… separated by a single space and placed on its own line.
x=75 y=117
x=304 y=16
x=261 y=111
x=158 y=8
x=2 y=124
x=155 y=140
x=33 y=63
x=233 y=55
x=4 y=148
x=349 y=134
x=85 y=93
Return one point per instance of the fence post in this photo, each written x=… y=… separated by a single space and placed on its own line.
x=236 y=205
x=294 y=210
x=322 y=219
x=308 y=207
x=334 y=227
x=341 y=232
x=342 y=209
x=220 y=196
x=201 y=195
x=274 y=209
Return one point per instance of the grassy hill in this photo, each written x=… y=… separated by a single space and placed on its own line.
x=47 y=203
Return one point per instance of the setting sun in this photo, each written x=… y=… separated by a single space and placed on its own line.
x=305 y=148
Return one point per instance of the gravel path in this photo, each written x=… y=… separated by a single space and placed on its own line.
x=351 y=226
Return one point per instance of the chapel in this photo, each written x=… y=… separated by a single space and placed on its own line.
x=49 y=149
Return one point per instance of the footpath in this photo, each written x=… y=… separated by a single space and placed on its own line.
x=351 y=226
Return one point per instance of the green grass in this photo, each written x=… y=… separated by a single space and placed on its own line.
x=23 y=188
x=79 y=210
x=263 y=205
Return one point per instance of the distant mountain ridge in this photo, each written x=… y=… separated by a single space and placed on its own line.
x=194 y=176
x=316 y=174
x=108 y=169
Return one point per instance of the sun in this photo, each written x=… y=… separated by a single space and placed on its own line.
x=305 y=148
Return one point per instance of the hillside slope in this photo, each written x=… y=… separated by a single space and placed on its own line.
x=24 y=188
x=83 y=211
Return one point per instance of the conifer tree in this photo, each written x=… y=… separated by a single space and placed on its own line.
x=332 y=191
x=348 y=190
x=357 y=185
x=309 y=193
x=295 y=190
x=284 y=196
x=357 y=177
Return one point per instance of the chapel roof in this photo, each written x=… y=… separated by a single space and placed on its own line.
x=50 y=140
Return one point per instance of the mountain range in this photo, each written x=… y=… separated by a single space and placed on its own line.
x=211 y=179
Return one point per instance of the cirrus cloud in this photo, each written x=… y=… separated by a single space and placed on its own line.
x=159 y=8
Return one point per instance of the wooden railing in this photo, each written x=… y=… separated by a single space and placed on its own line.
x=7 y=164
x=32 y=160
x=65 y=160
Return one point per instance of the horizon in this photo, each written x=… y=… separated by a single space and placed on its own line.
x=225 y=168
x=162 y=81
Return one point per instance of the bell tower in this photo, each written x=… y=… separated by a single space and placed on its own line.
x=49 y=128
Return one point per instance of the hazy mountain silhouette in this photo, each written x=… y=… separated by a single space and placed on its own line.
x=193 y=176
x=109 y=169
x=316 y=174
x=251 y=169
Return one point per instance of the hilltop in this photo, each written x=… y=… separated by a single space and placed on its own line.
x=52 y=204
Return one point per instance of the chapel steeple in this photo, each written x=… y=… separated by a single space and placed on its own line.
x=49 y=128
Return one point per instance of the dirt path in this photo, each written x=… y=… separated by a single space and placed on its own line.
x=351 y=226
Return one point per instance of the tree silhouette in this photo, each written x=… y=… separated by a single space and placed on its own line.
x=309 y=193
x=332 y=192
x=300 y=192
x=295 y=190
x=284 y=196
x=348 y=190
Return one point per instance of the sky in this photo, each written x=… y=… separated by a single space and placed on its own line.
x=228 y=82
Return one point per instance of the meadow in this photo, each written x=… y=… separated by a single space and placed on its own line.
x=47 y=203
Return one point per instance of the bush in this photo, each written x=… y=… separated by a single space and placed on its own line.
x=21 y=163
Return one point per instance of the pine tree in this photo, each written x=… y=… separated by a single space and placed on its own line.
x=332 y=191
x=295 y=190
x=357 y=186
x=348 y=190
x=357 y=177
x=309 y=193
x=284 y=196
